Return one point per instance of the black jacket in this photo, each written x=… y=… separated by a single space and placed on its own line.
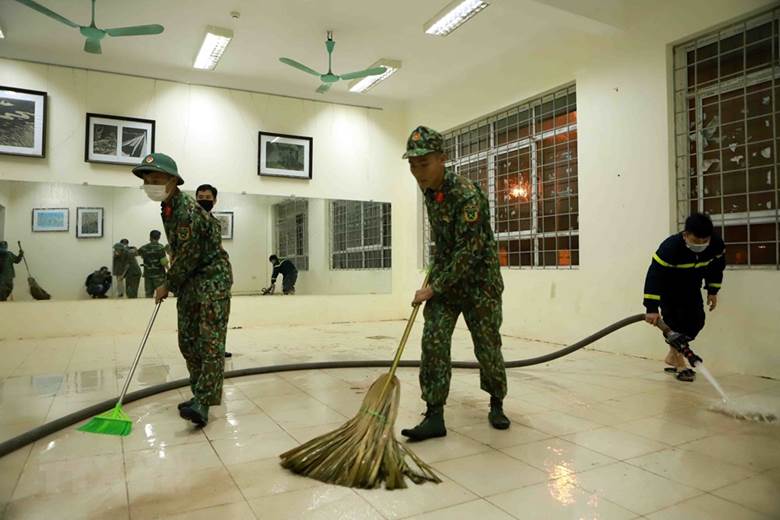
x=676 y=273
x=285 y=268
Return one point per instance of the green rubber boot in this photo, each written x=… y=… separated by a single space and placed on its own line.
x=430 y=427
x=497 y=419
x=196 y=412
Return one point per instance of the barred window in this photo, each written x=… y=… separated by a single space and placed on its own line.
x=291 y=220
x=360 y=235
x=727 y=126
x=524 y=159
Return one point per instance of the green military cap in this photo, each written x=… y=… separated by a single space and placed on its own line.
x=158 y=162
x=423 y=141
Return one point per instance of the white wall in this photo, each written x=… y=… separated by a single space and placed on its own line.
x=626 y=186
x=212 y=134
x=320 y=278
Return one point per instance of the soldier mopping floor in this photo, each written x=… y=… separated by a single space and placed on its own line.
x=464 y=278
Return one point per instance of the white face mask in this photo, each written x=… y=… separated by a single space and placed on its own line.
x=697 y=248
x=156 y=192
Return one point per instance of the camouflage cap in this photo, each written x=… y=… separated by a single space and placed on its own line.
x=423 y=141
x=158 y=162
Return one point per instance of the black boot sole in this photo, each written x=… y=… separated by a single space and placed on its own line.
x=192 y=415
x=415 y=438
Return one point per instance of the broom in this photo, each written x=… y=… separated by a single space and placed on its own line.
x=363 y=452
x=36 y=291
x=116 y=421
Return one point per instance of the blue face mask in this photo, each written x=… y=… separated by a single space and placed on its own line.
x=697 y=248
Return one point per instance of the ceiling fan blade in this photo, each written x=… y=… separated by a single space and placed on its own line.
x=92 y=46
x=299 y=66
x=48 y=12
x=135 y=30
x=376 y=71
x=324 y=88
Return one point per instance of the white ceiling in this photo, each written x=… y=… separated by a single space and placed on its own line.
x=365 y=30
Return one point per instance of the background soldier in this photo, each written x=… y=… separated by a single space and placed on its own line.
x=200 y=275
x=133 y=272
x=155 y=260
x=120 y=266
x=7 y=271
x=206 y=197
x=98 y=283
x=465 y=278
x=289 y=272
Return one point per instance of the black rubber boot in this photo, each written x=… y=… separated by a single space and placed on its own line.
x=196 y=412
x=185 y=403
x=497 y=419
x=430 y=427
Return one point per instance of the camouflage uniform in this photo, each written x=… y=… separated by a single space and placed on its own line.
x=120 y=268
x=133 y=272
x=7 y=273
x=155 y=261
x=465 y=278
x=200 y=275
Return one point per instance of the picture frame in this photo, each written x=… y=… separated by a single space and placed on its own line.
x=282 y=155
x=117 y=139
x=23 y=116
x=45 y=220
x=226 y=221
x=89 y=222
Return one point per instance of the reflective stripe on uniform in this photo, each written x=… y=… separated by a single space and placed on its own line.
x=714 y=285
x=652 y=297
x=682 y=266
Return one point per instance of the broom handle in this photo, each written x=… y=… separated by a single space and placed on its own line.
x=402 y=344
x=138 y=354
x=24 y=258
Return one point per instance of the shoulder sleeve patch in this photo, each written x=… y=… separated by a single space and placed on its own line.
x=471 y=213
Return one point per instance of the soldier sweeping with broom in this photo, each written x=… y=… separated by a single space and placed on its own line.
x=465 y=278
x=200 y=275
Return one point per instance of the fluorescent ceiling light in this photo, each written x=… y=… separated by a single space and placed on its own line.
x=2 y=34
x=453 y=16
x=363 y=84
x=214 y=44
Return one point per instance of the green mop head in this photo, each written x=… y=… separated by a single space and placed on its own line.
x=114 y=422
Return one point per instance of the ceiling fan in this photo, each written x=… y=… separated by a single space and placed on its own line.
x=329 y=78
x=91 y=32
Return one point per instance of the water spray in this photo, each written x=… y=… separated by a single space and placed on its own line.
x=681 y=343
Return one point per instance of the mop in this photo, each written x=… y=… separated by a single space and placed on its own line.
x=364 y=452
x=36 y=291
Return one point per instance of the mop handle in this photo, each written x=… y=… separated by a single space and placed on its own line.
x=24 y=258
x=138 y=354
x=402 y=343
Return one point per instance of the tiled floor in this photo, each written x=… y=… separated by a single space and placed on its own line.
x=595 y=435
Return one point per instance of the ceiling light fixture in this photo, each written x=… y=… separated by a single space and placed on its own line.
x=455 y=14
x=363 y=84
x=214 y=44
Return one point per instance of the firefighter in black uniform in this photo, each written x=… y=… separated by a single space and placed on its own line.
x=674 y=283
x=289 y=273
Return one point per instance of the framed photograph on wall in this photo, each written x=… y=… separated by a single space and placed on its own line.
x=281 y=155
x=89 y=222
x=118 y=140
x=226 y=221
x=50 y=219
x=22 y=122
